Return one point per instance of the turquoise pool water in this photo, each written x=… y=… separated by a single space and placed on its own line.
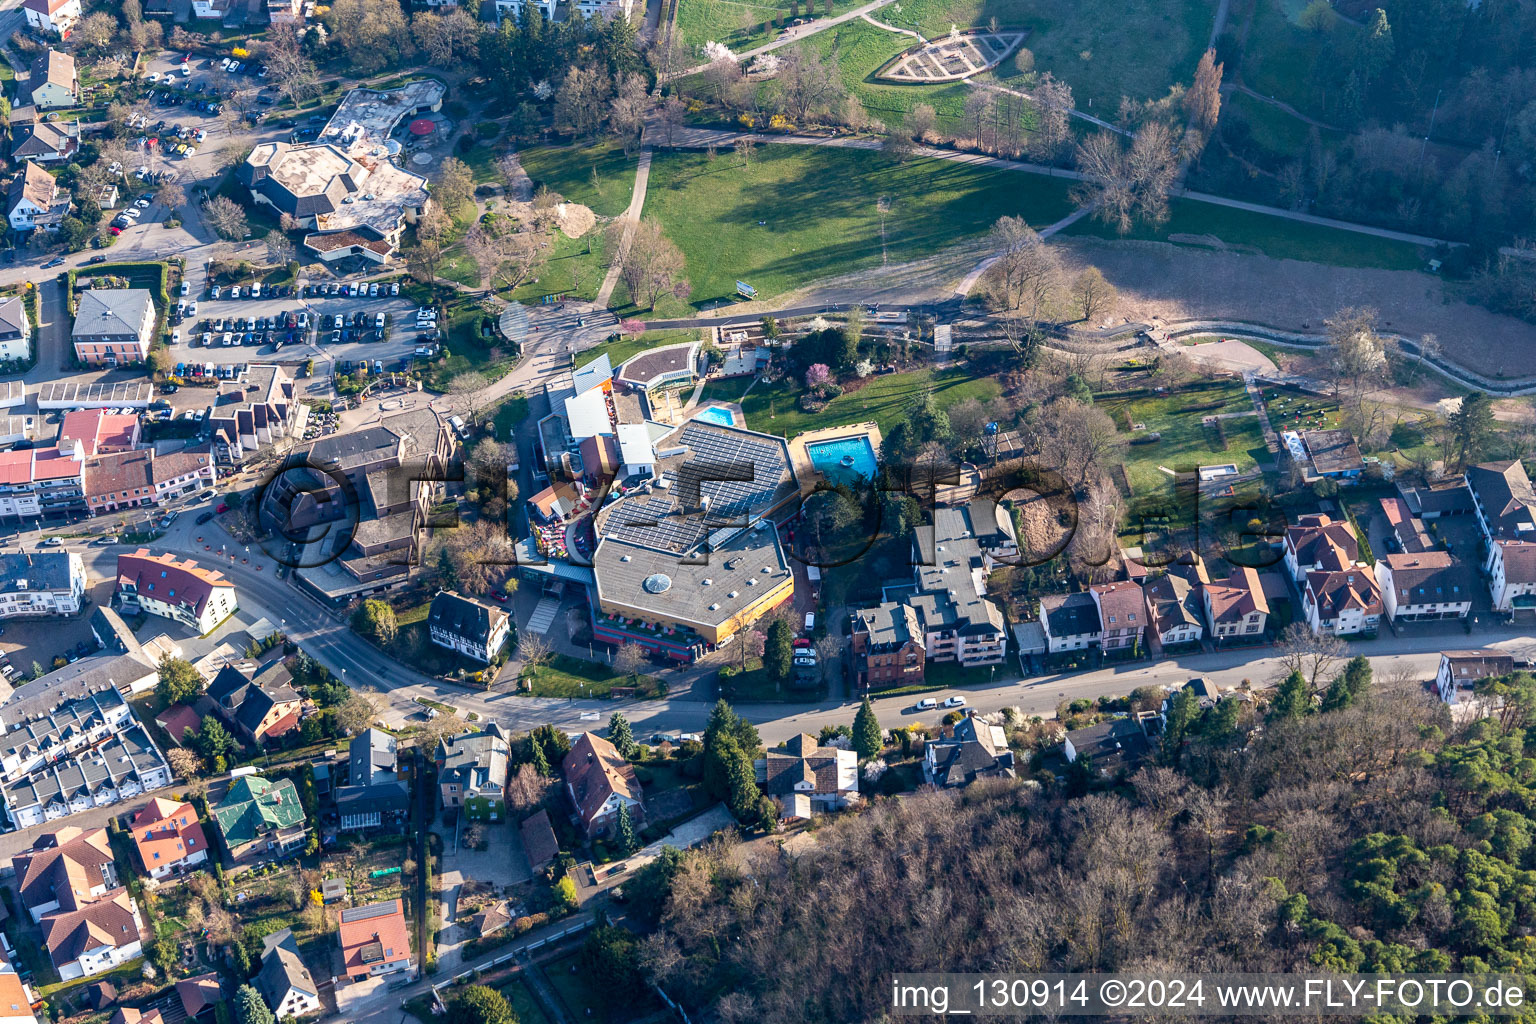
x=717 y=414
x=844 y=460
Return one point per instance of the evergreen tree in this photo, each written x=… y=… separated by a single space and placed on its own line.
x=626 y=829
x=479 y=1004
x=1471 y=427
x=620 y=736
x=742 y=778
x=250 y=1008
x=540 y=762
x=867 y=735
x=447 y=572
x=1349 y=686
x=779 y=651
x=718 y=754
x=724 y=721
x=1181 y=715
x=1292 y=698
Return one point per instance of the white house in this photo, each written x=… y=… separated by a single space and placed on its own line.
x=55 y=17
x=183 y=591
x=1173 y=610
x=283 y=981
x=806 y=778
x=41 y=583
x=473 y=628
x=1425 y=585
x=1460 y=671
x=34 y=200
x=1071 y=622
x=1512 y=574
x=15 y=330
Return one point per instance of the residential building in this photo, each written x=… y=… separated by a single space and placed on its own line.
x=69 y=885
x=539 y=842
x=142 y=478
x=44 y=142
x=689 y=560
x=54 y=83
x=472 y=771
x=258 y=817
x=199 y=995
x=476 y=629
x=1174 y=610
x=1448 y=498
x=255 y=413
x=887 y=646
x=375 y=940
x=41 y=583
x=159 y=585
x=599 y=781
x=34 y=200
x=952 y=559
x=1425 y=585
x=16 y=996
x=72 y=743
x=260 y=705
x=375 y=794
x=1122 y=615
x=976 y=750
x=52 y=17
x=1460 y=671
x=284 y=982
x=1318 y=542
x=1505 y=504
x=1406 y=531
x=1342 y=602
x=15 y=331
x=65 y=868
x=99 y=431
x=41 y=482
x=1236 y=608
x=1071 y=622
x=805 y=778
x=1116 y=747
x=169 y=838
x=113 y=326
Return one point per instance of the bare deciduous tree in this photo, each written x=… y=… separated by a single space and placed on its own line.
x=1126 y=184
x=1096 y=297
x=226 y=217
x=1311 y=654
x=652 y=266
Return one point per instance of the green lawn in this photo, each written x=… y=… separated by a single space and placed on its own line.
x=1103 y=49
x=736 y=23
x=773 y=409
x=1276 y=237
x=524 y=1005
x=574 y=267
x=1271 y=129
x=580 y=997
x=632 y=345
x=1284 y=60
x=798 y=214
x=1185 y=442
x=569 y=170
x=564 y=676
x=725 y=389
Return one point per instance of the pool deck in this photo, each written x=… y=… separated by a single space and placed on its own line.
x=805 y=470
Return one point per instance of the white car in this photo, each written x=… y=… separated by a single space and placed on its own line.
x=175 y=337
x=378 y=320
x=153 y=76
x=207 y=339
x=186 y=71
x=954 y=702
x=214 y=293
x=927 y=704
x=234 y=66
x=373 y=290
x=142 y=202
x=132 y=213
x=186 y=288
x=394 y=288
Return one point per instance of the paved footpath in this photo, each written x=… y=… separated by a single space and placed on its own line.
x=631 y=221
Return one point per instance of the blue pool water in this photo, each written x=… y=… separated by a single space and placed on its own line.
x=828 y=457
x=717 y=414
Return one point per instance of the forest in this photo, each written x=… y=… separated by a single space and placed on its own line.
x=1346 y=826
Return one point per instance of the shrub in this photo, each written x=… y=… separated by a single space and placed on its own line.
x=644 y=775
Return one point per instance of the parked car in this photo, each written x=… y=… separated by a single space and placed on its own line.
x=206 y=517
x=954 y=702
x=926 y=704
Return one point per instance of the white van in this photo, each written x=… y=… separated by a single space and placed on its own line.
x=256 y=290
x=927 y=704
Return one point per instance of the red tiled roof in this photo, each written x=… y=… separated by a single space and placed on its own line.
x=64 y=865
x=165 y=579
x=166 y=832
x=108 y=921
x=176 y=720
x=99 y=431
x=37 y=464
x=362 y=927
x=595 y=771
x=1233 y=598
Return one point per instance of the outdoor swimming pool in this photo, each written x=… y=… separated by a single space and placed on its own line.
x=717 y=414
x=844 y=460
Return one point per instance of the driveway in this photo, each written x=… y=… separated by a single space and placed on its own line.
x=501 y=864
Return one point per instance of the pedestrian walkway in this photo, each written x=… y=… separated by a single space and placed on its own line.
x=1271 y=439
x=631 y=220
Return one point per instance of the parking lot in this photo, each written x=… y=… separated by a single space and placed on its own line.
x=314 y=341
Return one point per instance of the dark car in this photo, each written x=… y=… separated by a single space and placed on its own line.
x=206 y=517
x=57 y=261
x=97 y=259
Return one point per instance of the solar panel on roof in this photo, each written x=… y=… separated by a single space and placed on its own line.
x=367 y=913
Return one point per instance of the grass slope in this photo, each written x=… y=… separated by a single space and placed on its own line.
x=798 y=214
x=1185 y=442
x=570 y=171
x=1277 y=237
x=1103 y=49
